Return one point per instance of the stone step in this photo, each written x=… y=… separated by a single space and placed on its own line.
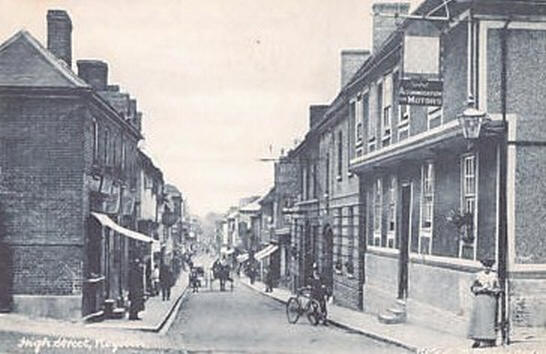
x=118 y=313
x=390 y=319
x=397 y=311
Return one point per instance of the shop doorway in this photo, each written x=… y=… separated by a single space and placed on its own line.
x=328 y=257
x=405 y=227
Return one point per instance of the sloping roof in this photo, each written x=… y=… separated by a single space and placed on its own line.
x=252 y=207
x=24 y=62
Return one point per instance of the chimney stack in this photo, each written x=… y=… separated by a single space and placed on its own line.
x=383 y=26
x=59 y=35
x=351 y=61
x=316 y=112
x=94 y=72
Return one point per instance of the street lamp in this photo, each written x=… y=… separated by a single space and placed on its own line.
x=472 y=120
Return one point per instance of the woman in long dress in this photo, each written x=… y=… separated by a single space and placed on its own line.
x=482 y=322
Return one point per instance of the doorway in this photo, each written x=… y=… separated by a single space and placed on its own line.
x=328 y=257
x=405 y=229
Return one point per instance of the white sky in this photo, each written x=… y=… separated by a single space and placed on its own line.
x=218 y=81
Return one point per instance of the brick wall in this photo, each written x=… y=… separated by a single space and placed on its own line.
x=41 y=182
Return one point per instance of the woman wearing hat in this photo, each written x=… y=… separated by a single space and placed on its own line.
x=486 y=290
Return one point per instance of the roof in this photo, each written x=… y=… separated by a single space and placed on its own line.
x=252 y=207
x=170 y=189
x=24 y=62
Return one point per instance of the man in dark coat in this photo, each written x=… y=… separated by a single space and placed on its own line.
x=136 y=290
x=165 y=280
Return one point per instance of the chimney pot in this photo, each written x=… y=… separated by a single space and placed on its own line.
x=59 y=35
x=383 y=26
x=94 y=72
x=316 y=112
x=351 y=61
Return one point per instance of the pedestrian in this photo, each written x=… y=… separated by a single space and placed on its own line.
x=252 y=272
x=193 y=280
x=155 y=280
x=319 y=293
x=136 y=290
x=165 y=279
x=486 y=290
x=268 y=280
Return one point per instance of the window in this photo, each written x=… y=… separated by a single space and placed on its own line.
x=387 y=107
x=356 y=116
x=123 y=153
x=377 y=210
x=327 y=174
x=391 y=225
x=339 y=155
x=469 y=205
x=106 y=146
x=434 y=116
x=95 y=132
x=351 y=239
x=427 y=208
x=314 y=181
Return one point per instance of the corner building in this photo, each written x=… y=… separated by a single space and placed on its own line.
x=415 y=168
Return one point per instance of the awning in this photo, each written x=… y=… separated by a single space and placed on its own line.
x=242 y=257
x=106 y=221
x=266 y=252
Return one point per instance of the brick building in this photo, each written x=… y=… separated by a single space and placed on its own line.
x=68 y=175
x=417 y=171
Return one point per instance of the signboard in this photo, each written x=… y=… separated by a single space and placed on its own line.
x=421 y=82
x=420 y=92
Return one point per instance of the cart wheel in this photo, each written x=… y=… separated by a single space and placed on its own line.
x=293 y=310
x=313 y=312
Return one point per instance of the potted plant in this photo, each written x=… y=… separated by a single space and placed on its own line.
x=464 y=222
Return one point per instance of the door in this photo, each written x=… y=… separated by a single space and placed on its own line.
x=405 y=226
x=328 y=257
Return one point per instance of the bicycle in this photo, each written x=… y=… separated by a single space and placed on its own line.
x=302 y=304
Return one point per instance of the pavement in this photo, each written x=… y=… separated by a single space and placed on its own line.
x=407 y=335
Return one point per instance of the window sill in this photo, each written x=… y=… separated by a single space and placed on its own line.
x=350 y=276
x=337 y=271
x=339 y=178
x=386 y=137
x=404 y=123
x=358 y=143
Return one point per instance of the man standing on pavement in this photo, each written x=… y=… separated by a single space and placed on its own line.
x=136 y=290
x=165 y=280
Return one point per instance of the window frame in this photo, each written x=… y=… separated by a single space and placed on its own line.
x=95 y=132
x=392 y=212
x=377 y=212
x=433 y=113
x=427 y=177
x=387 y=106
x=339 y=155
x=467 y=196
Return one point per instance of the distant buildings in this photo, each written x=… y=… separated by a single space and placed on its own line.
x=78 y=200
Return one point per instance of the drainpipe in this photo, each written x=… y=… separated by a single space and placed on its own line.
x=503 y=232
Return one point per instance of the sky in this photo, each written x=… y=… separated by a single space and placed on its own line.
x=221 y=83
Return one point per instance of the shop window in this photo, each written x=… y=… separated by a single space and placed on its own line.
x=469 y=192
x=377 y=210
x=391 y=224
x=427 y=208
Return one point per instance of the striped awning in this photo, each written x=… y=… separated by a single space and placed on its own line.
x=107 y=222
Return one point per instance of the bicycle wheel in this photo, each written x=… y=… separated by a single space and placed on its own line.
x=293 y=310
x=313 y=312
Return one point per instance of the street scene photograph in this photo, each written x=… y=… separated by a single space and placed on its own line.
x=272 y=176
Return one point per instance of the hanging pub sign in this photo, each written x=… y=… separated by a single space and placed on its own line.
x=420 y=92
x=421 y=83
